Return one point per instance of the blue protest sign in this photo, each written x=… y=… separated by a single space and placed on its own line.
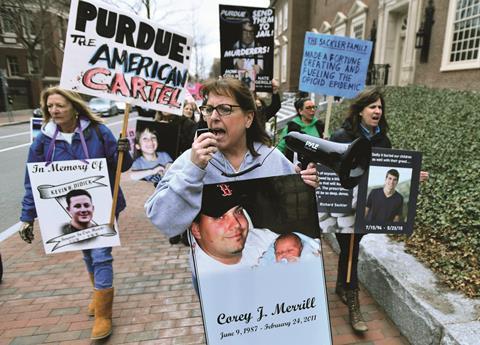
x=334 y=65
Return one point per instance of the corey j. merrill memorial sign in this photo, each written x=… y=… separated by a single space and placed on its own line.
x=73 y=202
x=334 y=65
x=117 y=55
x=258 y=263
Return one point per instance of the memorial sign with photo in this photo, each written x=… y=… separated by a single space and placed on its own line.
x=385 y=199
x=258 y=263
x=113 y=54
x=156 y=145
x=73 y=201
x=246 y=45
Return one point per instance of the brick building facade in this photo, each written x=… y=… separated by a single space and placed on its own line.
x=22 y=77
x=449 y=58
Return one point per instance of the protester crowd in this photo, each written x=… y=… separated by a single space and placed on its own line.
x=235 y=147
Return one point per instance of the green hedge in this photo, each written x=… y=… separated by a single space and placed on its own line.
x=445 y=126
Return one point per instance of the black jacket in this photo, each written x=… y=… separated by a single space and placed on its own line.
x=346 y=135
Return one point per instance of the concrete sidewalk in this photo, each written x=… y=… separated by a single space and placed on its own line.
x=15 y=117
x=43 y=299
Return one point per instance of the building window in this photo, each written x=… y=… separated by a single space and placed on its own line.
x=8 y=27
x=283 y=72
x=462 y=37
x=340 y=30
x=357 y=27
x=29 y=25
x=12 y=66
x=285 y=16
x=276 y=64
x=339 y=24
x=280 y=22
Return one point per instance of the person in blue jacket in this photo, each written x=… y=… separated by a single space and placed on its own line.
x=70 y=131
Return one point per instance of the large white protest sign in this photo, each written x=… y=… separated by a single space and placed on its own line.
x=280 y=304
x=73 y=201
x=258 y=264
x=117 y=55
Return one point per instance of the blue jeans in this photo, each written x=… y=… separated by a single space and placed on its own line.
x=99 y=262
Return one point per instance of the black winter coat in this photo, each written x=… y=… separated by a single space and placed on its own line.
x=346 y=135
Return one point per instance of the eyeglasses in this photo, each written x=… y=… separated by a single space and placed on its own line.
x=222 y=109
x=311 y=107
x=242 y=172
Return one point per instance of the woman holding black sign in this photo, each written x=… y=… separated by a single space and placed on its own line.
x=72 y=132
x=365 y=117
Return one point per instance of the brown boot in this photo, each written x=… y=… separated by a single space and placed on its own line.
x=102 y=326
x=340 y=291
x=356 y=318
x=91 y=305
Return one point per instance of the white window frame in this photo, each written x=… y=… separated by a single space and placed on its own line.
x=276 y=25
x=447 y=45
x=285 y=16
x=280 y=21
x=339 y=24
x=326 y=28
x=362 y=19
x=276 y=64
x=12 y=60
x=340 y=30
x=283 y=71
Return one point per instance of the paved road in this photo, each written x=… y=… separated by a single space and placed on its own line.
x=14 y=144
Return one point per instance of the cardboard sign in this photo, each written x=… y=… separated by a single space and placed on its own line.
x=73 y=202
x=385 y=200
x=275 y=292
x=117 y=55
x=246 y=45
x=334 y=65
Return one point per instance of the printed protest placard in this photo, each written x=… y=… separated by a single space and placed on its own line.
x=258 y=263
x=385 y=199
x=117 y=55
x=155 y=145
x=35 y=127
x=331 y=196
x=73 y=202
x=334 y=65
x=246 y=45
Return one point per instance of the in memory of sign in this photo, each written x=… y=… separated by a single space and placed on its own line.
x=73 y=202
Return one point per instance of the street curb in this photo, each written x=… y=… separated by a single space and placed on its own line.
x=424 y=312
x=14 y=123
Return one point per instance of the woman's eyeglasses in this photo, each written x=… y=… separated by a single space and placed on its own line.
x=222 y=109
x=312 y=107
